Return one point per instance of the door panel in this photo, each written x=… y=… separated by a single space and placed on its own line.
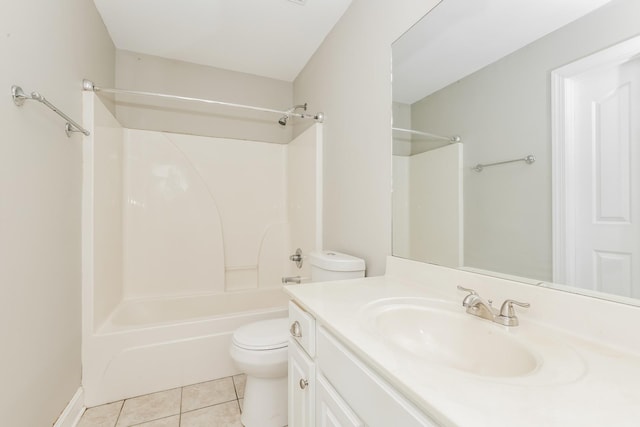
x=607 y=163
x=611 y=144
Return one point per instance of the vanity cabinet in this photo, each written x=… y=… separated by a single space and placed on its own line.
x=332 y=387
x=331 y=409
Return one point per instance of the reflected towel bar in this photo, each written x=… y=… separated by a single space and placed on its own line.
x=527 y=159
x=19 y=97
x=451 y=139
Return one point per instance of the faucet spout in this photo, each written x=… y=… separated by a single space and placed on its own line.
x=481 y=308
x=477 y=306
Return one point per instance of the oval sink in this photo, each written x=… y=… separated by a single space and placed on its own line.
x=433 y=332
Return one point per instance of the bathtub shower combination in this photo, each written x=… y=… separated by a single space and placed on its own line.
x=185 y=239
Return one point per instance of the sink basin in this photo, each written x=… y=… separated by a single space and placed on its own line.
x=442 y=333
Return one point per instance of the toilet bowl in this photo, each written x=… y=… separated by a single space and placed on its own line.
x=260 y=350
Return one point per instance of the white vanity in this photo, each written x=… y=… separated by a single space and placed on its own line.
x=330 y=386
x=400 y=350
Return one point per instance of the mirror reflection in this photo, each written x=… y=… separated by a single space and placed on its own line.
x=545 y=98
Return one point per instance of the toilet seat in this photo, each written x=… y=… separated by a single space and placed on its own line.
x=264 y=335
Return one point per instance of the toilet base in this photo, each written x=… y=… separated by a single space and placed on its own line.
x=265 y=402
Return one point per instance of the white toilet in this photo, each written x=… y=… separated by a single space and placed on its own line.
x=260 y=349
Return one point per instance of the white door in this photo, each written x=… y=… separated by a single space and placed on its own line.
x=606 y=176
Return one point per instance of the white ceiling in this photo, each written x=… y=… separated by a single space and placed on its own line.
x=270 y=38
x=460 y=37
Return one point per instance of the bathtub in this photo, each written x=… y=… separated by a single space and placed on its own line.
x=149 y=345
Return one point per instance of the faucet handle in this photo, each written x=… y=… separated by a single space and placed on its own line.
x=470 y=296
x=471 y=291
x=508 y=314
x=507 y=307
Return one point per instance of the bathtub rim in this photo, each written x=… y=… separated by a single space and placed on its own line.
x=108 y=327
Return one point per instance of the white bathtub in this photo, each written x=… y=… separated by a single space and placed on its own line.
x=149 y=345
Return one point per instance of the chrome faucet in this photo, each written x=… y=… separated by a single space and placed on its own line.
x=477 y=306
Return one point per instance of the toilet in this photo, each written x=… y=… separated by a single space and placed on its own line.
x=260 y=349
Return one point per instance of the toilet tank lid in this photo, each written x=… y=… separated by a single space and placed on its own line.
x=336 y=261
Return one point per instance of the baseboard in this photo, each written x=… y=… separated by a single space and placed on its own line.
x=74 y=410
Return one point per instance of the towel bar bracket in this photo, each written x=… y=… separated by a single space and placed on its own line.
x=18 y=95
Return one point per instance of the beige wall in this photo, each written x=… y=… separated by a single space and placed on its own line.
x=154 y=74
x=348 y=78
x=48 y=47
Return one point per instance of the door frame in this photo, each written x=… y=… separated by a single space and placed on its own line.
x=563 y=152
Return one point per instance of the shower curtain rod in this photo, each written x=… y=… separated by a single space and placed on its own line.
x=88 y=85
x=451 y=139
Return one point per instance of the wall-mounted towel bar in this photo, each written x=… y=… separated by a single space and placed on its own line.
x=451 y=139
x=527 y=159
x=19 y=97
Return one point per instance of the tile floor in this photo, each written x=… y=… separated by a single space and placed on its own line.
x=211 y=404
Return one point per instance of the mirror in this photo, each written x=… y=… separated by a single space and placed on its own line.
x=544 y=184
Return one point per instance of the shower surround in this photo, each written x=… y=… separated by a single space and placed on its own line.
x=185 y=238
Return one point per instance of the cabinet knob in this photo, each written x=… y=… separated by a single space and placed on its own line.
x=303 y=383
x=295 y=330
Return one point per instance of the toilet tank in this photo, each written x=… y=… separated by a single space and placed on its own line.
x=332 y=265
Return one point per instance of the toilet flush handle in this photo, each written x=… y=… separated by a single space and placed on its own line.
x=295 y=330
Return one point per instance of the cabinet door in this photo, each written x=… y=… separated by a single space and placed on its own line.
x=331 y=410
x=301 y=387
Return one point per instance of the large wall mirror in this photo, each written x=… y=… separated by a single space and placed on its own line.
x=516 y=146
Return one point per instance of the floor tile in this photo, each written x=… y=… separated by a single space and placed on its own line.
x=225 y=414
x=239 y=382
x=173 y=421
x=150 y=407
x=240 y=402
x=207 y=394
x=101 y=416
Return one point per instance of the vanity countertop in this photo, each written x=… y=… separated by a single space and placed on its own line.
x=588 y=384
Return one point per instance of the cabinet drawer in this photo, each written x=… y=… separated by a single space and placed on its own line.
x=376 y=402
x=302 y=327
